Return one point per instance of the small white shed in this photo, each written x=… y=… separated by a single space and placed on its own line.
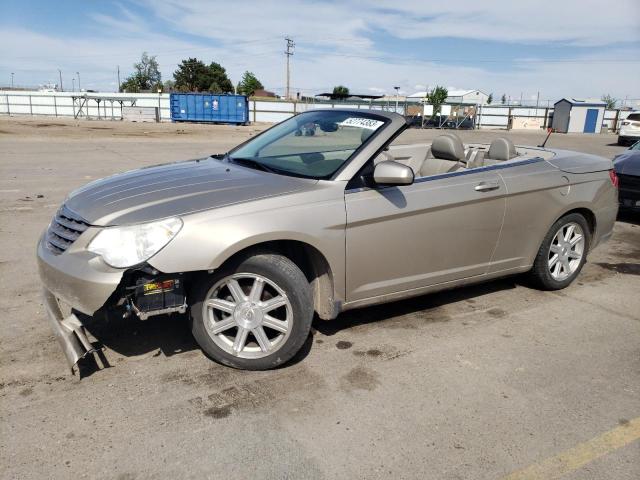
x=578 y=116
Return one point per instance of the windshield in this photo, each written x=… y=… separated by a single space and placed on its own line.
x=313 y=144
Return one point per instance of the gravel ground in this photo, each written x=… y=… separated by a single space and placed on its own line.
x=473 y=383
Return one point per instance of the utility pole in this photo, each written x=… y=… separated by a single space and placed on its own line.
x=118 y=67
x=60 y=73
x=12 y=74
x=397 y=89
x=288 y=52
x=79 y=88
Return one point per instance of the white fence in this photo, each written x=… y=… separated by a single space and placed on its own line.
x=504 y=116
x=109 y=106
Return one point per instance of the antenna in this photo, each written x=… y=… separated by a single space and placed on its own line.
x=550 y=130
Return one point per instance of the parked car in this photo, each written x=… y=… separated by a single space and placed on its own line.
x=254 y=242
x=627 y=167
x=629 y=129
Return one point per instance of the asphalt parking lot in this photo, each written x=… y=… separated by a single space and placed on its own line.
x=484 y=382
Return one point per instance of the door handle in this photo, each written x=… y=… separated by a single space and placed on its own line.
x=487 y=186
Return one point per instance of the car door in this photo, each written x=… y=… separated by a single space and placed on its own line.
x=439 y=229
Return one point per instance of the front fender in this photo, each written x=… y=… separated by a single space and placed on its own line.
x=208 y=239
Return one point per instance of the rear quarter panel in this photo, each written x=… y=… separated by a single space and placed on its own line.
x=539 y=194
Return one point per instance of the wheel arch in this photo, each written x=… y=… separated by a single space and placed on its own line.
x=588 y=215
x=311 y=261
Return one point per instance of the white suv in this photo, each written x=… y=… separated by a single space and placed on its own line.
x=629 y=129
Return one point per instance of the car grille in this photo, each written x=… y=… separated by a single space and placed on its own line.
x=64 y=229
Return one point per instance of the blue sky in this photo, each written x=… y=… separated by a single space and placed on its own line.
x=571 y=48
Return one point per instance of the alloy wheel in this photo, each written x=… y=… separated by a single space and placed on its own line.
x=566 y=251
x=247 y=315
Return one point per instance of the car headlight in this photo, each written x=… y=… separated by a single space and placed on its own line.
x=127 y=246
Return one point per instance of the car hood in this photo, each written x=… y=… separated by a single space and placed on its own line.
x=162 y=191
x=627 y=163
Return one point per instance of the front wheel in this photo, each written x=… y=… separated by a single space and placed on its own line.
x=562 y=254
x=254 y=315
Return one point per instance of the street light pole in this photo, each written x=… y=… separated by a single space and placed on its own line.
x=79 y=88
x=60 y=73
x=73 y=84
x=12 y=80
x=397 y=90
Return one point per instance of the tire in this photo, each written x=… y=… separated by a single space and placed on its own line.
x=544 y=273
x=275 y=320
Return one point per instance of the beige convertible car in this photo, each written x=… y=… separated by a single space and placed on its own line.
x=321 y=213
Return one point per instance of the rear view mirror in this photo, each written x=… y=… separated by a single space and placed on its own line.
x=393 y=173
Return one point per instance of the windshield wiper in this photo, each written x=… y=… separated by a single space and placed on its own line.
x=251 y=163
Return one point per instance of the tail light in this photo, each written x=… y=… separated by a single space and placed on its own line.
x=614 y=178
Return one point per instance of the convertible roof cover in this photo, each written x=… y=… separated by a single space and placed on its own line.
x=350 y=96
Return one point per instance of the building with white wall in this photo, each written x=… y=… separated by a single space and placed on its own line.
x=578 y=116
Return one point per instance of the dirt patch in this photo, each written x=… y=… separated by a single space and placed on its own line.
x=624 y=268
x=343 y=345
x=360 y=378
x=385 y=352
x=26 y=392
x=215 y=412
x=593 y=272
x=264 y=390
x=496 y=313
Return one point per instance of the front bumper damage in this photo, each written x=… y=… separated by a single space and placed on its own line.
x=80 y=280
x=69 y=331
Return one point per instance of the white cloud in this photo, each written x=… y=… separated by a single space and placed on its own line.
x=334 y=44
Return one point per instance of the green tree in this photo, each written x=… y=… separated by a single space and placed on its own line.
x=219 y=82
x=193 y=75
x=146 y=75
x=249 y=84
x=610 y=101
x=168 y=85
x=340 y=91
x=437 y=97
x=503 y=99
x=490 y=99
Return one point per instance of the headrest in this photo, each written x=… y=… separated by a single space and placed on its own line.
x=502 y=149
x=454 y=135
x=448 y=147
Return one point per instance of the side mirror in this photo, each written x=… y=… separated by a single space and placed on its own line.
x=393 y=173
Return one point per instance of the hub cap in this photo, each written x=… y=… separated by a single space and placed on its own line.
x=247 y=315
x=566 y=251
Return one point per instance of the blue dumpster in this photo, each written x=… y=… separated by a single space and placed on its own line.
x=205 y=107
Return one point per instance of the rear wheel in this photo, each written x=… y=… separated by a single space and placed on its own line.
x=254 y=315
x=562 y=253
